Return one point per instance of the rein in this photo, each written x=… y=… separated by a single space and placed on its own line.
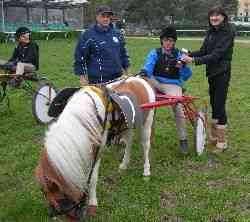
x=122 y=79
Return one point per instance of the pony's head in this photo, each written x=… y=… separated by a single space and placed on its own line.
x=61 y=199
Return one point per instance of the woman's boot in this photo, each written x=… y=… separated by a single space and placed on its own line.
x=221 y=144
x=213 y=132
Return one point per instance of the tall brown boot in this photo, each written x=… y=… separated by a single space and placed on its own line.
x=221 y=142
x=213 y=132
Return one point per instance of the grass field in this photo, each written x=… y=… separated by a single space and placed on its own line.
x=206 y=188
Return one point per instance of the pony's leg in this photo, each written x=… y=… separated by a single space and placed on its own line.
x=145 y=141
x=92 y=204
x=92 y=191
x=127 y=139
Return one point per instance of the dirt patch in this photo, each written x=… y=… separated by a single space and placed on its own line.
x=168 y=199
x=244 y=205
x=167 y=218
x=109 y=183
x=220 y=183
x=191 y=167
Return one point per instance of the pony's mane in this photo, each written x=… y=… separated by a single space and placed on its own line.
x=69 y=141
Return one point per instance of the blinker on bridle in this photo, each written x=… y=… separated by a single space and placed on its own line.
x=66 y=206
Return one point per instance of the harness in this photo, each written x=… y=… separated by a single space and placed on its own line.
x=166 y=64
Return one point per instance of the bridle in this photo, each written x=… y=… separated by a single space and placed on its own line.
x=66 y=206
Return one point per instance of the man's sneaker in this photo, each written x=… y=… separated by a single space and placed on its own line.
x=184 y=146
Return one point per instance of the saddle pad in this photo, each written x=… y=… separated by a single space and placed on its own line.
x=60 y=101
x=130 y=109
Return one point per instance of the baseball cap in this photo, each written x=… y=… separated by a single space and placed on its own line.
x=104 y=9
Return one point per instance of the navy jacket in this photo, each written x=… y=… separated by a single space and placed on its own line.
x=101 y=54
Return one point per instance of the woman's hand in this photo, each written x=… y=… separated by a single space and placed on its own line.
x=187 y=59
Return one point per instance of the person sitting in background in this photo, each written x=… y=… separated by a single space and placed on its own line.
x=101 y=55
x=167 y=73
x=25 y=57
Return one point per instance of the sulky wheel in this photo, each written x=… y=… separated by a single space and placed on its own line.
x=41 y=101
x=200 y=133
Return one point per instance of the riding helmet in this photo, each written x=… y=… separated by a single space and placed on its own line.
x=169 y=32
x=21 y=31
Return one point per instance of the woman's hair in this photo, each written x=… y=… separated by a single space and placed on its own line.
x=220 y=11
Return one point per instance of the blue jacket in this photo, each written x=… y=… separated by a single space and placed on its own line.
x=101 y=54
x=185 y=71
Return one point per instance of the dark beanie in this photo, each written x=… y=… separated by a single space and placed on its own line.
x=169 y=32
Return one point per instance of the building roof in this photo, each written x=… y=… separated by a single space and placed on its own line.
x=52 y=4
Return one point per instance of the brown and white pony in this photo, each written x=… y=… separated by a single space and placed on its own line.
x=66 y=161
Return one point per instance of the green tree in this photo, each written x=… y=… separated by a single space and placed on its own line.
x=158 y=13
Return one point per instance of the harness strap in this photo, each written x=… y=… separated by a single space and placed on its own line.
x=104 y=124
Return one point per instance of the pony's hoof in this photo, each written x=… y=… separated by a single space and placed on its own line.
x=91 y=211
x=123 y=167
x=146 y=173
x=146 y=178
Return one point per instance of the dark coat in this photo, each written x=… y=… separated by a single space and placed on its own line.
x=27 y=54
x=216 y=51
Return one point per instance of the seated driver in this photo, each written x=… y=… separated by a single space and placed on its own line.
x=167 y=73
x=25 y=58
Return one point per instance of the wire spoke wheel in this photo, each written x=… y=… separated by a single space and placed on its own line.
x=200 y=133
x=41 y=101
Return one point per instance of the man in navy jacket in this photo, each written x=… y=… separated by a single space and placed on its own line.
x=100 y=55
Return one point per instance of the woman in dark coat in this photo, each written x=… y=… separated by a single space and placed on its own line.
x=216 y=52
